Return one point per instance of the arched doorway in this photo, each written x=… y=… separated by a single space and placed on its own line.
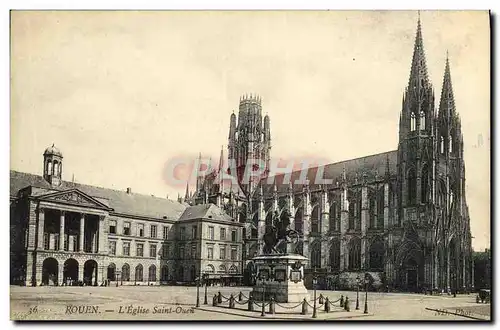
x=139 y=273
x=111 y=272
x=152 y=273
x=164 y=273
x=70 y=272
x=50 y=271
x=126 y=272
x=411 y=268
x=90 y=272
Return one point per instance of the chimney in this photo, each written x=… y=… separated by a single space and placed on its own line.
x=129 y=190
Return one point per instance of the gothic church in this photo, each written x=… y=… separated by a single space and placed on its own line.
x=399 y=216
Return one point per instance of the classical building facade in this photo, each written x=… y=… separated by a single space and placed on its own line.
x=401 y=216
x=65 y=233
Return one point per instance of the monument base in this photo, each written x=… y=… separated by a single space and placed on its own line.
x=280 y=276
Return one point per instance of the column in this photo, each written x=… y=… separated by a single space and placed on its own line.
x=344 y=220
x=80 y=272
x=41 y=228
x=306 y=221
x=30 y=279
x=82 y=233
x=60 y=275
x=364 y=223
x=261 y=226
x=325 y=224
x=386 y=205
x=37 y=276
x=103 y=235
x=61 y=231
x=435 y=269
x=447 y=270
x=464 y=283
x=473 y=285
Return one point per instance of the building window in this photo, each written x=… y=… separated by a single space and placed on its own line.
x=112 y=227
x=210 y=250
x=166 y=251
x=234 y=253
x=126 y=248
x=182 y=233
x=450 y=144
x=46 y=241
x=422 y=120
x=442 y=145
x=223 y=234
x=354 y=253
x=315 y=220
x=233 y=235
x=316 y=256
x=181 y=252
x=56 y=242
x=66 y=242
x=126 y=228
x=152 y=250
x=139 y=250
x=211 y=233
x=112 y=248
x=222 y=255
x=193 y=252
x=424 y=184
x=153 y=231
x=140 y=229
x=194 y=232
x=165 y=233
x=412 y=122
x=412 y=187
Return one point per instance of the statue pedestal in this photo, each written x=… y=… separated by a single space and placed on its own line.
x=280 y=276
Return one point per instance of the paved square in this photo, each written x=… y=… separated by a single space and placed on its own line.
x=178 y=303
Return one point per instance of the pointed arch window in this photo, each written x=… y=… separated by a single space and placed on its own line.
x=450 y=144
x=424 y=184
x=412 y=187
x=442 y=145
x=412 y=122
x=422 y=120
x=354 y=253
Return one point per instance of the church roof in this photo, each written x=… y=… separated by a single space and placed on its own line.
x=120 y=201
x=373 y=166
x=199 y=211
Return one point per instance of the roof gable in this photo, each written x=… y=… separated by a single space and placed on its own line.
x=73 y=197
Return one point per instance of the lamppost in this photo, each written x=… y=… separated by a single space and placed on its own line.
x=205 y=280
x=262 y=278
x=198 y=291
x=366 y=294
x=358 y=282
x=315 y=281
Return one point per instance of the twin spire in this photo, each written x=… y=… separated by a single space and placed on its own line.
x=418 y=74
x=419 y=78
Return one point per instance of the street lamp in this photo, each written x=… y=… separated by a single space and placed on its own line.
x=366 y=294
x=315 y=281
x=205 y=279
x=262 y=278
x=358 y=280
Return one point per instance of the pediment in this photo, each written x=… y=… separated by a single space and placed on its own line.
x=74 y=197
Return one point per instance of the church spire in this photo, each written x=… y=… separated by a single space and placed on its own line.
x=186 y=196
x=447 y=102
x=418 y=74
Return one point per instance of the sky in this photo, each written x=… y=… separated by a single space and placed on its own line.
x=123 y=94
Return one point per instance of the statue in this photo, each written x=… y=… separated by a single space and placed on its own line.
x=278 y=233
